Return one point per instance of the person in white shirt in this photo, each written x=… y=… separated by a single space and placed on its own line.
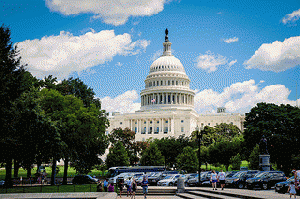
x=128 y=185
x=297 y=176
x=221 y=178
x=292 y=189
x=214 y=179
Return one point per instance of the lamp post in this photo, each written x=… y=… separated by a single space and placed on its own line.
x=199 y=137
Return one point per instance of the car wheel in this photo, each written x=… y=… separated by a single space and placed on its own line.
x=171 y=184
x=240 y=185
x=265 y=186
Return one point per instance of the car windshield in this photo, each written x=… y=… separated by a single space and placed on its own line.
x=259 y=175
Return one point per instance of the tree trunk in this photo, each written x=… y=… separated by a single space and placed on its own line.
x=38 y=166
x=28 y=172
x=66 y=163
x=16 y=168
x=53 y=171
x=8 y=170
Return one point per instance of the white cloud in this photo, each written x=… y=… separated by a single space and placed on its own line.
x=114 y=12
x=294 y=16
x=209 y=61
x=241 y=97
x=64 y=54
x=277 y=56
x=232 y=63
x=124 y=103
x=230 y=40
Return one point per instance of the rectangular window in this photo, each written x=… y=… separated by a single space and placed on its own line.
x=151 y=129
x=167 y=121
x=120 y=123
x=182 y=121
x=150 y=122
x=145 y=122
x=182 y=129
x=157 y=122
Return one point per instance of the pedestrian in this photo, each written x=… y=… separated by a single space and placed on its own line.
x=111 y=188
x=213 y=179
x=292 y=189
x=128 y=185
x=120 y=185
x=221 y=178
x=99 y=187
x=145 y=186
x=105 y=185
x=133 y=188
x=297 y=176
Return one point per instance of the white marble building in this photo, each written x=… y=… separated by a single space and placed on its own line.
x=167 y=104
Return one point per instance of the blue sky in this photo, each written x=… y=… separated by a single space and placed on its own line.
x=236 y=53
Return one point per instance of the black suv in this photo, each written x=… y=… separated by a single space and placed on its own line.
x=239 y=179
x=266 y=180
x=84 y=179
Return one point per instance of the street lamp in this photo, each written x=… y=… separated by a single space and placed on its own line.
x=199 y=137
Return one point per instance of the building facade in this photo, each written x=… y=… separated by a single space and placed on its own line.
x=167 y=104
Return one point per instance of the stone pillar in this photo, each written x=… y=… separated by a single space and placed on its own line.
x=147 y=125
x=169 y=125
x=131 y=124
x=137 y=126
x=172 y=125
x=264 y=162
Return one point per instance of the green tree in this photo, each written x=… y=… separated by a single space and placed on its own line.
x=222 y=151
x=151 y=156
x=127 y=137
x=82 y=128
x=117 y=156
x=187 y=160
x=171 y=147
x=254 y=158
x=280 y=126
x=235 y=162
x=13 y=81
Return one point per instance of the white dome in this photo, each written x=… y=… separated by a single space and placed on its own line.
x=167 y=63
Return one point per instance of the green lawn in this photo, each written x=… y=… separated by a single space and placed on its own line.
x=71 y=172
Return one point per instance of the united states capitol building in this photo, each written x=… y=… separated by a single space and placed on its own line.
x=167 y=104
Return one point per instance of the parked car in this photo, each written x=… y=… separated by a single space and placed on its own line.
x=84 y=179
x=169 y=180
x=154 y=178
x=229 y=174
x=266 y=180
x=239 y=179
x=282 y=187
x=205 y=176
x=188 y=177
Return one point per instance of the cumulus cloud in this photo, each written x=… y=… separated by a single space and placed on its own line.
x=64 y=54
x=114 y=12
x=124 y=103
x=294 y=16
x=241 y=97
x=277 y=56
x=209 y=61
x=230 y=40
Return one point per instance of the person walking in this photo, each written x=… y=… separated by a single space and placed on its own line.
x=145 y=186
x=105 y=185
x=297 y=176
x=292 y=189
x=221 y=178
x=133 y=188
x=111 y=188
x=128 y=185
x=213 y=179
x=120 y=185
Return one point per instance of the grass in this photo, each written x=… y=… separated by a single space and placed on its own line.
x=71 y=172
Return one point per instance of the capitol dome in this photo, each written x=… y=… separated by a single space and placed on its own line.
x=167 y=63
x=167 y=86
